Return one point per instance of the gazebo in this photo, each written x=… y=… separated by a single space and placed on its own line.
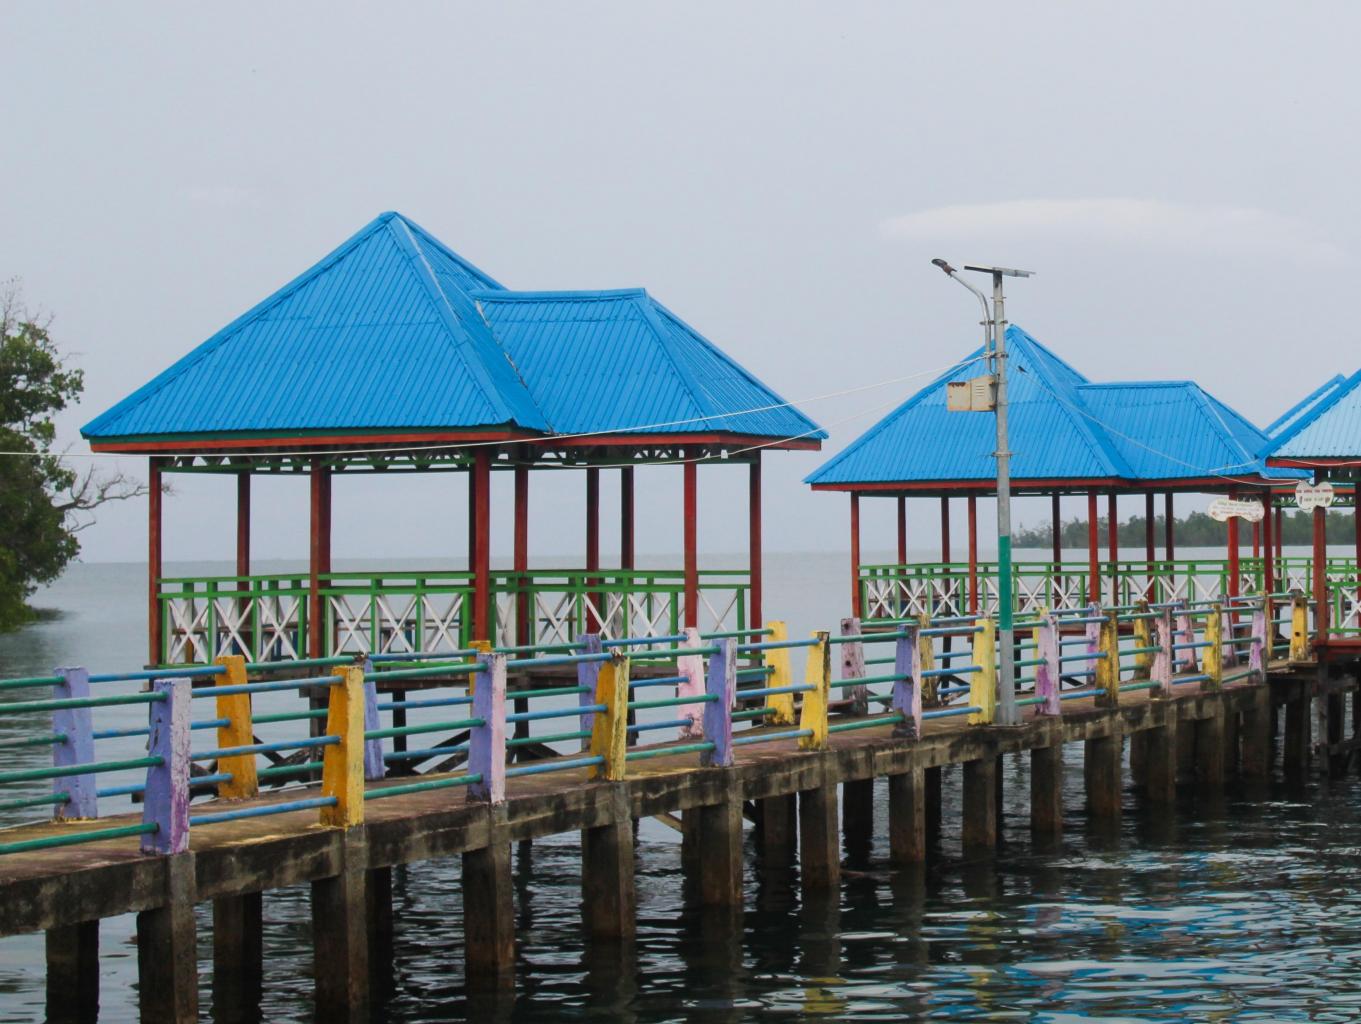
x=394 y=354
x=1322 y=437
x=1068 y=436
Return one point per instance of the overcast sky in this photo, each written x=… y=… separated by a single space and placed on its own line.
x=1182 y=177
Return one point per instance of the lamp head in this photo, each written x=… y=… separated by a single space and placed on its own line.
x=943 y=266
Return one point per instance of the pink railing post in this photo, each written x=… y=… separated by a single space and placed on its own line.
x=487 y=742
x=853 y=667
x=690 y=667
x=1163 y=668
x=907 y=690
x=1050 y=670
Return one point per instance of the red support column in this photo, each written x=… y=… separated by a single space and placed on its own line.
x=1356 y=526
x=154 y=655
x=944 y=528
x=855 y=554
x=902 y=529
x=1320 y=572
x=626 y=518
x=1169 y=529
x=481 y=501
x=1233 y=549
x=319 y=555
x=1057 y=539
x=243 y=528
x=1113 y=544
x=1150 y=548
x=593 y=611
x=755 y=611
x=521 y=554
x=1093 y=556
x=691 y=515
x=1268 y=549
x=973 y=554
x=1280 y=532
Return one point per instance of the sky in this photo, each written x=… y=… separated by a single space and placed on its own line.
x=1181 y=178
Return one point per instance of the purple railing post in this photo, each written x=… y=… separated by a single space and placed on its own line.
x=722 y=686
x=587 y=674
x=853 y=667
x=374 y=768
x=77 y=748
x=1184 y=633
x=691 y=668
x=166 y=802
x=1050 y=670
x=907 y=690
x=1257 y=657
x=1093 y=630
x=487 y=742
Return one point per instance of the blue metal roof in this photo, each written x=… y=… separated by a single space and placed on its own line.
x=393 y=330
x=1304 y=406
x=1062 y=427
x=1331 y=429
x=921 y=441
x=621 y=361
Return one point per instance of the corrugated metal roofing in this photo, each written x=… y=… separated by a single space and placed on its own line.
x=1051 y=437
x=1330 y=430
x=662 y=377
x=1304 y=406
x=1062 y=427
x=393 y=330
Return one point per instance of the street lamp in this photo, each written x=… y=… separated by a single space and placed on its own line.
x=995 y=348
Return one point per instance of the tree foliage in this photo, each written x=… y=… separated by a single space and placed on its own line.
x=43 y=502
x=1196 y=530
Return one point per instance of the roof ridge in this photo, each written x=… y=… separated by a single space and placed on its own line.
x=432 y=240
x=1213 y=405
x=691 y=382
x=1332 y=383
x=225 y=333
x=1312 y=417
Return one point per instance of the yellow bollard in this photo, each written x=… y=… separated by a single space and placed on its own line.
x=1299 y=627
x=1143 y=639
x=609 y=728
x=342 y=770
x=983 y=684
x=819 y=674
x=927 y=650
x=1108 y=668
x=1213 y=661
x=238 y=732
x=781 y=703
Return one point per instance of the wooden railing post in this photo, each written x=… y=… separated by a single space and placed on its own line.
x=77 y=747
x=853 y=667
x=1259 y=649
x=722 y=687
x=818 y=674
x=1213 y=660
x=166 y=800
x=907 y=688
x=1108 y=667
x=487 y=742
x=1049 y=673
x=983 y=683
x=781 y=675
x=1299 y=626
x=342 y=766
x=238 y=732
x=927 y=658
x=374 y=766
x=609 y=730
x=690 y=668
x=1164 y=660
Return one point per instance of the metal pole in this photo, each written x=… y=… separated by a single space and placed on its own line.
x=1007 y=713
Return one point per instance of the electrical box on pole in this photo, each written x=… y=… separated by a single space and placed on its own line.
x=976 y=395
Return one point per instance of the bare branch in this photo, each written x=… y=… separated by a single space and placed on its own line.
x=93 y=489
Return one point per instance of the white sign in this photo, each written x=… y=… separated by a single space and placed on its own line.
x=1224 y=509
x=1309 y=495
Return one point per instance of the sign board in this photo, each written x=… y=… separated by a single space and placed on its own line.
x=973 y=395
x=1224 y=509
x=1319 y=495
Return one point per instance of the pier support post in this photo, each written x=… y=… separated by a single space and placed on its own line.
x=238 y=955
x=933 y=801
x=340 y=934
x=907 y=817
x=607 y=891
x=1337 y=762
x=378 y=894
x=1229 y=716
x=979 y=829
x=1046 y=791
x=1298 y=733
x=819 y=846
x=167 y=948
x=73 y=972
x=489 y=910
x=777 y=829
x=1102 y=775
x=1256 y=736
x=720 y=850
x=1161 y=761
x=1138 y=757
x=1210 y=753
x=857 y=817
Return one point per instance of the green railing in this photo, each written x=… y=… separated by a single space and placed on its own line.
x=265 y=617
x=944 y=588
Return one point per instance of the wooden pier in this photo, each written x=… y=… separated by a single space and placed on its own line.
x=804 y=789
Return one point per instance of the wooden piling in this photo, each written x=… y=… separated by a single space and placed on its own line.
x=378 y=896
x=1298 y=733
x=1101 y=770
x=1210 y=749
x=933 y=800
x=720 y=851
x=1046 y=791
x=340 y=935
x=907 y=817
x=1161 y=761
x=1336 y=710
x=979 y=828
x=607 y=890
x=819 y=848
x=857 y=817
x=1255 y=736
x=73 y=972
x=489 y=911
x=238 y=955
x=777 y=834
x=167 y=948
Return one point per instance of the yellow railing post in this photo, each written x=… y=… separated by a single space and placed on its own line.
x=1213 y=660
x=1299 y=627
x=238 y=732
x=1108 y=668
x=342 y=769
x=609 y=728
x=781 y=674
x=819 y=675
x=1143 y=640
x=983 y=683
x=927 y=650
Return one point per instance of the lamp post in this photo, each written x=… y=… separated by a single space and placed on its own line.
x=995 y=348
